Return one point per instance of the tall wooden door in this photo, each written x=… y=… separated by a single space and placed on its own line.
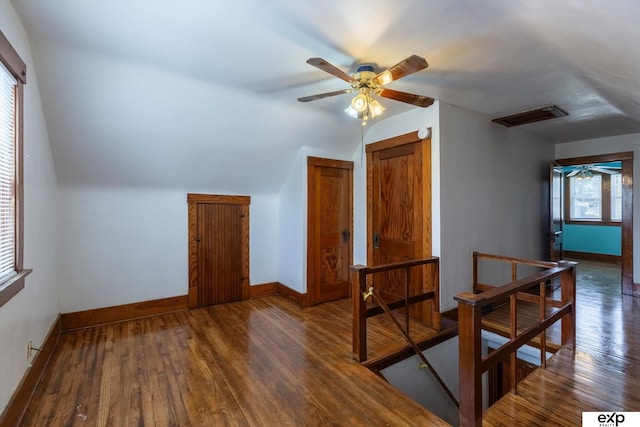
x=556 y=212
x=329 y=241
x=399 y=213
x=218 y=249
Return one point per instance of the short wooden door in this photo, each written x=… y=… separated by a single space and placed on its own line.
x=218 y=249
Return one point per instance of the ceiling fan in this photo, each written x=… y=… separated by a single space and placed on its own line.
x=367 y=84
x=586 y=171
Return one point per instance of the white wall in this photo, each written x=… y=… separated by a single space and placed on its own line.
x=124 y=245
x=31 y=313
x=292 y=220
x=493 y=186
x=263 y=238
x=613 y=144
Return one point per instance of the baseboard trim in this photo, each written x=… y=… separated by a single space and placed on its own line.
x=119 y=313
x=277 y=288
x=293 y=296
x=591 y=256
x=15 y=410
x=264 y=290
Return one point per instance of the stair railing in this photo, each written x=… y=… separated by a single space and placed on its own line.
x=472 y=306
x=361 y=275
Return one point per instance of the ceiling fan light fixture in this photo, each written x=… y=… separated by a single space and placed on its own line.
x=353 y=113
x=360 y=102
x=367 y=84
x=375 y=108
x=364 y=106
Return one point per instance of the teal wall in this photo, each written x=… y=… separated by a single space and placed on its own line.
x=595 y=239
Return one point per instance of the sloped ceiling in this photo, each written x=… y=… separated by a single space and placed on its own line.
x=202 y=94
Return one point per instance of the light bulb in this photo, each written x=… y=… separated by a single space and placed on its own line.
x=359 y=102
x=351 y=112
x=375 y=108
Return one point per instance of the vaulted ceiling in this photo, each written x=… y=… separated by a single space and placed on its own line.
x=202 y=94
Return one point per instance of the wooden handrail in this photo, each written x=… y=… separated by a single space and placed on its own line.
x=395 y=265
x=499 y=293
x=359 y=275
x=515 y=262
x=470 y=310
x=526 y=261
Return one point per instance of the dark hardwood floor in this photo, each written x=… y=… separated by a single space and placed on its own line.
x=266 y=362
x=262 y=362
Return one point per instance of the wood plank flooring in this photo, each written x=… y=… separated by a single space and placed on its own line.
x=262 y=362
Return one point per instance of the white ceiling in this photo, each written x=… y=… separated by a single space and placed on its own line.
x=202 y=94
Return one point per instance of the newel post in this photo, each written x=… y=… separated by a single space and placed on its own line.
x=358 y=280
x=470 y=382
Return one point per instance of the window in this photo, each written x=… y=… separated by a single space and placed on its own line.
x=616 y=197
x=595 y=198
x=586 y=198
x=12 y=79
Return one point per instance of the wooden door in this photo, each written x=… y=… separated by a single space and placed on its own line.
x=556 y=193
x=399 y=213
x=218 y=249
x=329 y=228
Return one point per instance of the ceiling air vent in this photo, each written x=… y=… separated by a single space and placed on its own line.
x=530 y=116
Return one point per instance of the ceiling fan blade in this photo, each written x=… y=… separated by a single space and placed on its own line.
x=404 y=68
x=604 y=170
x=323 y=95
x=409 y=98
x=573 y=173
x=331 y=69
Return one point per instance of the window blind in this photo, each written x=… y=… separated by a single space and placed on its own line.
x=7 y=173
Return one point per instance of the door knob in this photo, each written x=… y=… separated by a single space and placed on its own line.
x=345 y=236
x=376 y=240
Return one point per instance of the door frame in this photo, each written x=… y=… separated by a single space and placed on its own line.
x=312 y=162
x=628 y=286
x=193 y=200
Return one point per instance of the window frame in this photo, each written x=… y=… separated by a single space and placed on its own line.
x=605 y=203
x=16 y=66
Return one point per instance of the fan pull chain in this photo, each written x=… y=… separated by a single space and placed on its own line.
x=362 y=145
